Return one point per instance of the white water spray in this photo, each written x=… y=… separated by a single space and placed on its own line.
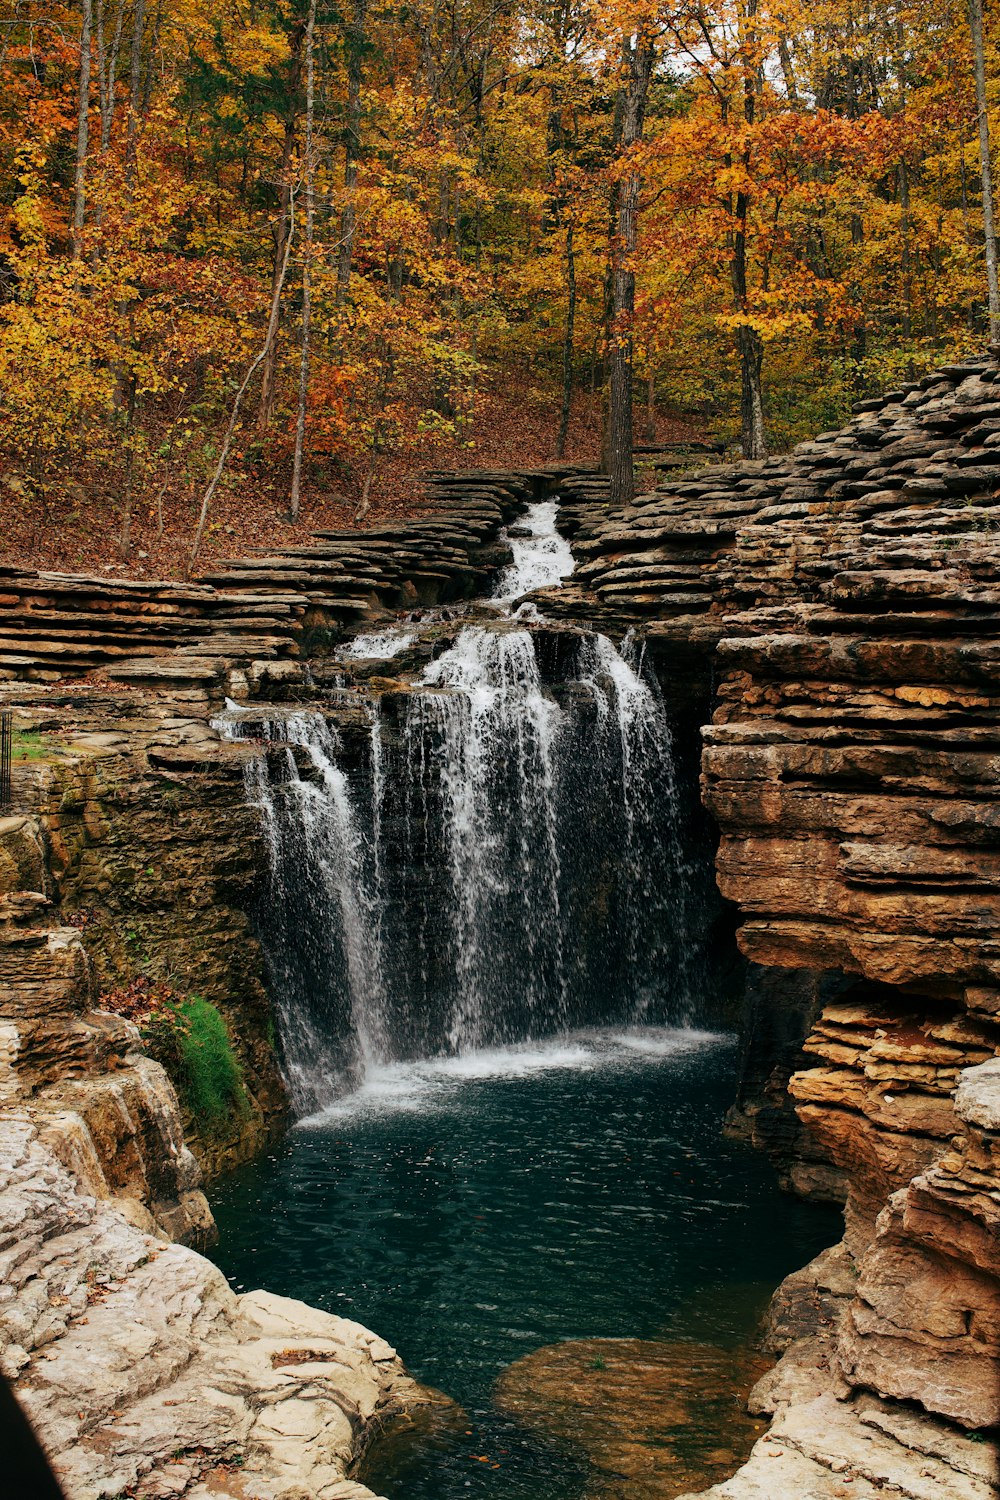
x=500 y=862
x=541 y=557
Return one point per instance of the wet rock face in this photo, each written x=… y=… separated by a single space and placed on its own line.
x=143 y=837
x=105 y=1110
x=778 y=1009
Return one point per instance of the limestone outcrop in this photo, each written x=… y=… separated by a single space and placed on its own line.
x=135 y=823
x=144 y=1374
x=824 y=1449
x=102 y=1107
x=264 y=612
x=890 y=1377
x=835 y=612
x=924 y=1325
x=141 y=1371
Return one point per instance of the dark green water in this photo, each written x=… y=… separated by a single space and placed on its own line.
x=474 y=1210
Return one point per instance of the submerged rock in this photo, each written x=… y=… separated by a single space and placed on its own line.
x=653 y=1418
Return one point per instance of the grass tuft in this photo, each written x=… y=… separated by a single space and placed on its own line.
x=31 y=744
x=191 y=1040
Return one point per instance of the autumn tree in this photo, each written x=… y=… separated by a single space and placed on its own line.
x=208 y=282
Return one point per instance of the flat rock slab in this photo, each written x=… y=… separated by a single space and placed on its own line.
x=825 y=1449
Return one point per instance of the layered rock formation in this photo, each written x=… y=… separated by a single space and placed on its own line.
x=108 y=1111
x=833 y=612
x=141 y=835
x=925 y=1322
x=141 y=1371
x=839 y=607
x=265 y=612
x=144 y=1374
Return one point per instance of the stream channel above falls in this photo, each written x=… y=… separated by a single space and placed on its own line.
x=487 y=937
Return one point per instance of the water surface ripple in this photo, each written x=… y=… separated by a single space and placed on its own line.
x=475 y=1209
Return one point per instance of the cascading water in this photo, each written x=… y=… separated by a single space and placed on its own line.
x=501 y=862
x=481 y=742
x=321 y=916
x=631 y=747
x=540 y=557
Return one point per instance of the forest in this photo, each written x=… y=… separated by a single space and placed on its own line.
x=262 y=262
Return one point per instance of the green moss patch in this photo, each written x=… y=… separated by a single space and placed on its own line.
x=31 y=744
x=191 y=1040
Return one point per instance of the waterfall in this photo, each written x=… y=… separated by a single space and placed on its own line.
x=540 y=557
x=481 y=744
x=632 y=748
x=494 y=857
x=320 y=919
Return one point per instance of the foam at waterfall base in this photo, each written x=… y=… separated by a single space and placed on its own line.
x=437 y=1084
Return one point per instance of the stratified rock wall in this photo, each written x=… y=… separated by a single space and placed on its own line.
x=103 y=1108
x=841 y=607
x=925 y=1323
x=263 y=613
x=140 y=831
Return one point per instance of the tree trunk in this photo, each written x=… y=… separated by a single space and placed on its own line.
x=154 y=42
x=268 y=383
x=992 y=280
x=752 y=434
x=788 y=71
x=567 y=394
x=108 y=71
x=365 y=503
x=159 y=507
x=227 y=442
x=355 y=37
x=638 y=59
x=135 y=78
x=300 y=423
x=753 y=437
x=906 y=257
x=82 y=133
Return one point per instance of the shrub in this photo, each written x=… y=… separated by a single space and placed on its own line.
x=191 y=1040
